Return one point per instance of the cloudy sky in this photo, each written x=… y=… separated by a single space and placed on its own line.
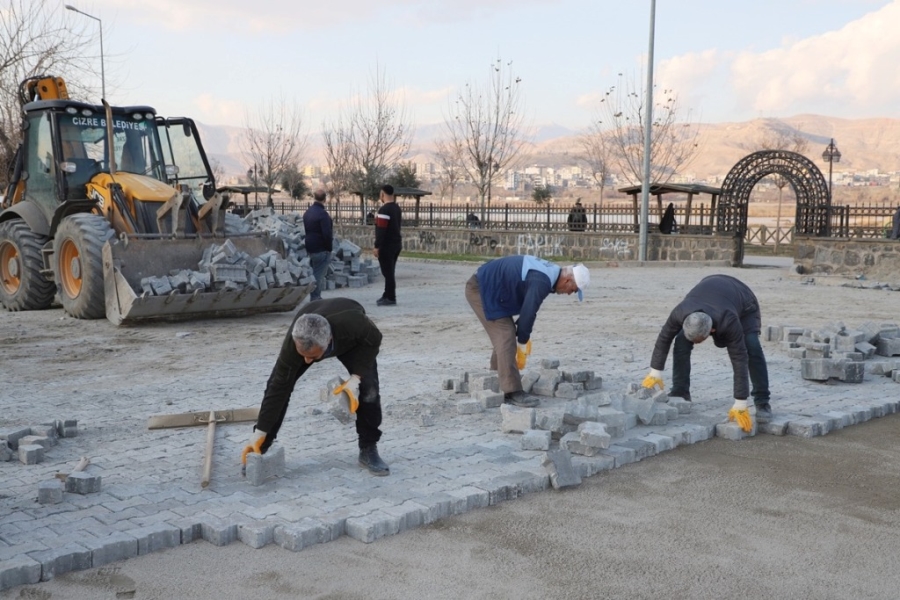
x=728 y=60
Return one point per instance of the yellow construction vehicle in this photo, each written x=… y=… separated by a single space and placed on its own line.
x=102 y=197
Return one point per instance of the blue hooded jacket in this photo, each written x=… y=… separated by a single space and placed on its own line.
x=516 y=285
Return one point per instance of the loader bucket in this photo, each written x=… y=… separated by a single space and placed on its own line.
x=126 y=262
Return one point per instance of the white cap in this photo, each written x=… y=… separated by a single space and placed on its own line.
x=582 y=279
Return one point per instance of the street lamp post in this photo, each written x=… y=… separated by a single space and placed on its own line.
x=102 y=69
x=648 y=132
x=831 y=155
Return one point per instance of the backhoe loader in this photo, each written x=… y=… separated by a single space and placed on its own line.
x=100 y=197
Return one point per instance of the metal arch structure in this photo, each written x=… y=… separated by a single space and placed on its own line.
x=813 y=200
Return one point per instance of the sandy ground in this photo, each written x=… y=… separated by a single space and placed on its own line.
x=768 y=517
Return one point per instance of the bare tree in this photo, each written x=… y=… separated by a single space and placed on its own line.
x=596 y=148
x=448 y=157
x=369 y=137
x=487 y=126
x=673 y=144
x=780 y=136
x=274 y=140
x=39 y=37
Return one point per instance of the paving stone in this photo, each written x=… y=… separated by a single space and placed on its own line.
x=777 y=425
x=643 y=408
x=558 y=464
x=623 y=455
x=681 y=405
x=578 y=412
x=529 y=378
x=544 y=387
x=568 y=390
x=82 y=483
x=663 y=443
x=481 y=382
x=806 y=428
x=549 y=363
x=156 y=537
x=469 y=406
x=642 y=448
x=297 y=536
x=373 y=526
x=50 y=492
x=490 y=399
x=35 y=440
x=6 y=454
x=261 y=467
x=730 y=431
x=887 y=346
x=12 y=435
x=516 y=419
x=218 y=532
x=615 y=420
x=594 y=435
x=256 y=535
x=572 y=443
x=62 y=560
x=31 y=454
x=19 y=570
x=817 y=369
x=48 y=431
x=536 y=440
x=111 y=548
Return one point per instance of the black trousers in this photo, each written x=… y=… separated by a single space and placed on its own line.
x=368 y=414
x=387 y=260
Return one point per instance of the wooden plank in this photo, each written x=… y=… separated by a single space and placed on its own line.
x=202 y=417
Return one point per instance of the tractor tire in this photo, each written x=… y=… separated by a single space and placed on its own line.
x=235 y=225
x=78 y=264
x=22 y=286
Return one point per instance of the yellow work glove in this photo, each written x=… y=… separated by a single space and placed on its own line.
x=742 y=415
x=351 y=386
x=653 y=379
x=256 y=442
x=523 y=351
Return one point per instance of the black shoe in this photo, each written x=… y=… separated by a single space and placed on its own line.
x=369 y=459
x=682 y=395
x=763 y=413
x=385 y=302
x=520 y=398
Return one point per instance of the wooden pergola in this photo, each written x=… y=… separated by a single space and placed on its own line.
x=690 y=189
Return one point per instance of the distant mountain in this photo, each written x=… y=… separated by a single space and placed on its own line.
x=865 y=144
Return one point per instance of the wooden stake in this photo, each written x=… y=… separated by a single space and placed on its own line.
x=210 y=440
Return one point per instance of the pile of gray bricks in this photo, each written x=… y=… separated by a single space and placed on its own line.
x=347 y=269
x=836 y=352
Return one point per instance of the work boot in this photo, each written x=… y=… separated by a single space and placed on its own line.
x=763 y=413
x=520 y=398
x=369 y=459
x=385 y=302
x=682 y=395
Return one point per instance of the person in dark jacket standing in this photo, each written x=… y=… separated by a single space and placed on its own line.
x=517 y=285
x=338 y=328
x=388 y=243
x=319 y=240
x=727 y=309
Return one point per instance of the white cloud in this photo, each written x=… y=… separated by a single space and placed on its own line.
x=850 y=72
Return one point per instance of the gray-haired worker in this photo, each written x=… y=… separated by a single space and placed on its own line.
x=726 y=309
x=338 y=328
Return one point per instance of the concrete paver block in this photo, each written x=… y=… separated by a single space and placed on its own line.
x=112 y=548
x=31 y=454
x=81 y=482
x=62 y=560
x=535 y=439
x=469 y=406
x=594 y=435
x=730 y=431
x=558 y=464
x=19 y=570
x=578 y=412
x=489 y=398
x=516 y=419
x=261 y=467
x=12 y=435
x=256 y=535
x=50 y=492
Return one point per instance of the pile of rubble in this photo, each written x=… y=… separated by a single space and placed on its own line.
x=836 y=352
x=224 y=267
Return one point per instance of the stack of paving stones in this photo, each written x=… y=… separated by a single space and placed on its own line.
x=836 y=352
x=347 y=269
x=876 y=285
x=578 y=422
x=225 y=268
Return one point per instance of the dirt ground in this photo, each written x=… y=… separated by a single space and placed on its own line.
x=768 y=517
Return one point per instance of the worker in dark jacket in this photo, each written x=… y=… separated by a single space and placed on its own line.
x=338 y=328
x=725 y=308
x=388 y=243
x=318 y=241
x=511 y=286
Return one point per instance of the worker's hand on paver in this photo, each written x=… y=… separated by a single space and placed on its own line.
x=351 y=386
x=256 y=442
x=523 y=351
x=742 y=414
x=654 y=379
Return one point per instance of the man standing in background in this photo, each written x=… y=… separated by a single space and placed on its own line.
x=319 y=239
x=388 y=243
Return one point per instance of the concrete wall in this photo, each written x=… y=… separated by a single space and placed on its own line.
x=582 y=246
x=879 y=258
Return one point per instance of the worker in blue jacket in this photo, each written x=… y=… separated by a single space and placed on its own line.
x=516 y=286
